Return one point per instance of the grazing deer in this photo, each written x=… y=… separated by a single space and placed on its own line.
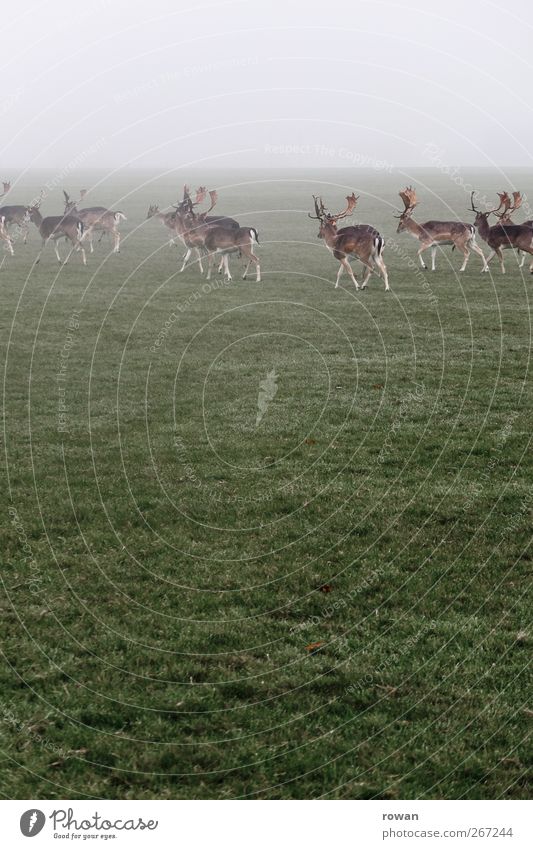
x=361 y=241
x=502 y=236
x=192 y=226
x=96 y=218
x=509 y=208
x=56 y=227
x=434 y=233
x=220 y=240
x=14 y=216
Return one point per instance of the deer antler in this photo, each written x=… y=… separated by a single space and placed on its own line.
x=67 y=197
x=200 y=195
x=214 y=197
x=409 y=198
x=351 y=204
x=316 y=201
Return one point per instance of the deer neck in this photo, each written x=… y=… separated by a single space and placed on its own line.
x=413 y=227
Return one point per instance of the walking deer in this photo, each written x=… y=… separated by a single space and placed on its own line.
x=360 y=240
x=433 y=234
x=56 y=227
x=509 y=208
x=502 y=236
x=96 y=218
x=220 y=239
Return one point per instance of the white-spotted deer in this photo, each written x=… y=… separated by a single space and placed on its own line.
x=96 y=218
x=433 y=234
x=56 y=227
x=362 y=241
x=502 y=236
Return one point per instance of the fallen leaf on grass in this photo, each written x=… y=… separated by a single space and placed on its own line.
x=326 y=588
x=310 y=441
x=312 y=647
x=377 y=386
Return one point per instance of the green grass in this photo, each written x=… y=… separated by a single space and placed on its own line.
x=161 y=572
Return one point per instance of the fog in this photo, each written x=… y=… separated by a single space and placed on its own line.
x=113 y=85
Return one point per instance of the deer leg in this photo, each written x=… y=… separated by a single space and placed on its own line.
x=433 y=256
x=199 y=257
x=57 y=251
x=40 y=252
x=478 y=250
x=522 y=258
x=251 y=257
x=221 y=265
x=466 y=253
x=420 y=252
x=500 y=257
x=185 y=259
x=226 y=266
x=116 y=236
x=344 y=264
x=368 y=271
x=383 y=271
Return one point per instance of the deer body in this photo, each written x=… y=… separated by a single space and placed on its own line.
x=504 y=236
x=16 y=216
x=434 y=234
x=223 y=241
x=360 y=240
x=57 y=227
x=96 y=218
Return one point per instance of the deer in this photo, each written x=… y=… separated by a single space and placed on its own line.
x=502 y=236
x=193 y=237
x=509 y=208
x=434 y=233
x=96 y=218
x=168 y=219
x=361 y=241
x=15 y=216
x=56 y=227
x=216 y=239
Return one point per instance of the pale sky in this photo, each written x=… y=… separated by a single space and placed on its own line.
x=288 y=84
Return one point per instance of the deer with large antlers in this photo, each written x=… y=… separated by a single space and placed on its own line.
x=15 y=216
x=360 y=240
x=96 y=218
x=509 y=208
x=219 y=237
x=56 y=227
x=434 y=234
x=502 y=236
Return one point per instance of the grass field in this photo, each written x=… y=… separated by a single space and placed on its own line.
x=168 y=559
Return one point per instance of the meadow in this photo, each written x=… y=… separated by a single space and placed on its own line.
x=265 y=540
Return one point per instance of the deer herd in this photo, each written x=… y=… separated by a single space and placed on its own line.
x=212 y=239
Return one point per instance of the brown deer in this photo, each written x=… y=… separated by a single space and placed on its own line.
x=96 y=218
x=168 y=219
x=56 y=227
x=15 y=216
x=509 y=208
x=433 y=234
x=192 y=226
x=361 y=241
x=502 y=236
x=220 y=240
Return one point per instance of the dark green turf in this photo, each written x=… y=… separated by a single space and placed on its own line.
x=163 y=554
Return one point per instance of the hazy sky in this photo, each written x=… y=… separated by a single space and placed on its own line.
x=276 y=84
